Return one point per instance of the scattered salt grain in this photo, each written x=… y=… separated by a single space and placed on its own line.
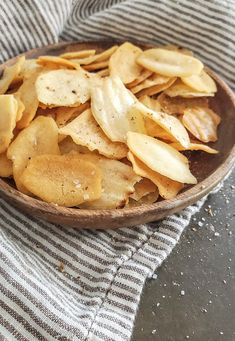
x=200 y=223
x=154 y=331
x=182 y=293
x=216 y=234
x=154 y=276
x=158 y=304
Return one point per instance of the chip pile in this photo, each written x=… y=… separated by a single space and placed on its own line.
x=105 y=130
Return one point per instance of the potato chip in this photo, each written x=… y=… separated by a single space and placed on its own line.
x=177 y=105
x=148 y=199
x=20 y=106
x=154 y=79
x=28 y=97
x=142 y=188
x=96 y=66
x=144 y=75
x=8 y=116
x=160 y=157
x=195 y=146
x=123 y=64
x=155 y=89
x=85 y=131
x=180 y=49
x=9 y=74
x=151 y=103
x=67 y=114
x=5 y=166
x=100 y=57
x=78 y=54
x=118 y=181
x=48 y=60
x=154 y=130
x=62 y=179
x=183 y=90
x=40 y=137
x=103 y=73
x=169 y=123
x=202 y=123
x=67 y=146
x=168 y=188
x=29 y=66
x=63 y=88
x=49 y=112
x=202 y=82
x=111 y=106
x=170 y=63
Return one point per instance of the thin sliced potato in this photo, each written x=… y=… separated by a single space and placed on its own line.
x=183 y=90
x=155 y=89
x=62 y=179
x=27 y=95
x=160 y=157
x=21 y=107
x=66 y=114
x=202 y=82
x=195 y=146
x=151 y=103
x=96 y=66
x=85 y=131
x=103 y=73
x=177 y=105
x=8 y=116
x=168 y=188
x=100 y=57
x=142 y=77
x=202 y=123
x=40 y=137
x=154 y=130
x=123 y=64
x=176 y=48
x=169 y=123
x=6 y=169
x=142 y=188
x=170 y=63
x=154 y=79
x=78 y=54
x=118 y=181
x=10 y=73
x=67 y=146
x=58 y=61
x=148 y=199
x=63 y=88
x=111 y=105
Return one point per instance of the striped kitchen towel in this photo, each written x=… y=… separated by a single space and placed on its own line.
x=58 y=283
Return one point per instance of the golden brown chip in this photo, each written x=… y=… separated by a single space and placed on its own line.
x=177 y=105
x=160 y=157
x=195 y=146
x=78 y=54
x=123 y=64
x=85 y=131
x=154 y=130
x=67 y=114
x=142 y=77
x=202 y=123
x=10 y=73
x=65 y=180
x=8 y=116
x=118 y=181
x=63 y=88
x=5 y=166
x=170 y=63
x=154 y=79
x=142 y=188
x=183 y=90
x=202 y=82
x=100 y=57
x=148 y=199
x=27 y=95
x=40 y=137
x=21 y=107
x=67 y=146
x=180 y=49
x=155 y=89
x=151 y=103
x=48 y=60
x=168 y=188
x=103 y=73
x=96 y=66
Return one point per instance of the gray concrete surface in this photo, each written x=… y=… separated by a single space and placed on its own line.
x=193 y=296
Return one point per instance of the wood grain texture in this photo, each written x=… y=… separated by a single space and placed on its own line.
x=209 y=169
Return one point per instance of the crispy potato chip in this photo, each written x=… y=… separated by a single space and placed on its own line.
x=100 y=57
x=154 y=130
x=118 y=181
x=5 y=166
x=151 y=103
x=142 y=188
x=146 y=200
x=27 y=95
x=10 y=73
x=155 y=89
x=40 y=137
x=78 y=54
x=195 y=146
x=49 y=112
x=8 y=116
x=85 y=131
x=168 y=188
x=154 y=79
x=123 y=64
x=67 y=114
x=170 y=63
x=202 y=123
x=169 y=123
x=21 y=107
x=103 y=73
x=63 y=88
x=177 y=105
x=183 y=90
x=202 y=82
x=96 y=66
x=62 y=179
x=110 y=104
x=160 y=157
x=67 y=146
x=180 y=49
x=29 y=66
x=142 y=77
x=45 y=60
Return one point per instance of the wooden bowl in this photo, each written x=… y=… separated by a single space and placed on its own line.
x=209 y=169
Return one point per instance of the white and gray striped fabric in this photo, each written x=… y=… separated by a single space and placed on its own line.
x=64 y=284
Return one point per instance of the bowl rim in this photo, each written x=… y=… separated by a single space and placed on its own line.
x=191 y=194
